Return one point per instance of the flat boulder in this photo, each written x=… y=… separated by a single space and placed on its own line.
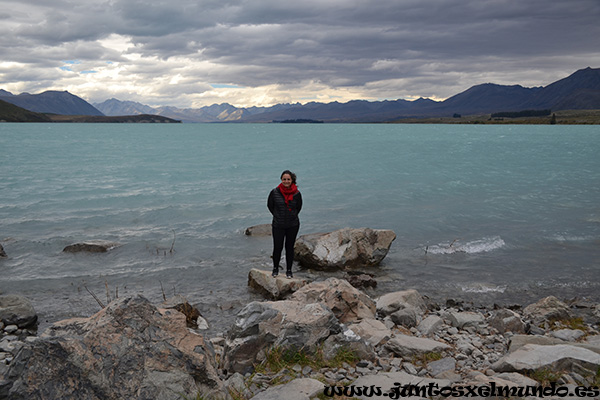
x=17 y=310
x=92 y=246
x=532 y=357
x=343 y=248
x=409 y=346
x=129 y=350
x=273 y=288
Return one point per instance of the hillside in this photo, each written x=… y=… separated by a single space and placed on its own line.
x=579 y=91
x=11 y=113
x=53 y=102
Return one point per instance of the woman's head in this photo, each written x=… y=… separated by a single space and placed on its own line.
x=288 y=177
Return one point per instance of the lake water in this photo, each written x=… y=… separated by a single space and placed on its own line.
x=483 y=213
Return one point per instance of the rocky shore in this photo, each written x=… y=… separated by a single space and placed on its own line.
x=134 y=349
x=307 y=340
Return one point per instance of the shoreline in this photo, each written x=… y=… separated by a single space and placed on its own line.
x=472 y=340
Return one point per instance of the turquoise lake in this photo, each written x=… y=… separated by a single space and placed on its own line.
x=484 y=213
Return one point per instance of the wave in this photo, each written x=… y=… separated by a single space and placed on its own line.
x=472 y=247
x=483 y=288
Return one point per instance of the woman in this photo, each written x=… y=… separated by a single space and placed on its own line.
x=285 y=203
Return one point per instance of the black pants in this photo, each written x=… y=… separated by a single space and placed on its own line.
x=281 y=235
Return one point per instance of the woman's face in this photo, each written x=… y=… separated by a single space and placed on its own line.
x=286 y=180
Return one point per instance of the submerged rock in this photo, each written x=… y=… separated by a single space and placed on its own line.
x=92 y=246
x=343 y=248
x=259 y=230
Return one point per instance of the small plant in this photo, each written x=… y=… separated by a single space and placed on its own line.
x=425 y=358
x=569 y=323
x=278 y=358
x=544 y=376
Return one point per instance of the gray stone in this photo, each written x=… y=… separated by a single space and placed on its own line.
x=430 y=325
x=10 y=329
x=568 y=335
x=407 y=317
x=517 y=379
x=439 y=366
x=284 y=323
x=507 y=321
x=298 y=389
x=259 y=230
x=17 y=310
x=465 y=319
x=531 y=357
x=547 y=309
x=343 y=248
x=391 y=302
x=388 y=380
x=92 y=246
x=373 y=331
x=273 y=288
x=408 y=346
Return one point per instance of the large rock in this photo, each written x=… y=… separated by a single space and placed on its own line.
x=532 y=357
x=128 y=350
x=405 y=299
x=547 y=309
x=286 y=323
x=343 y=248
x=465 y=319
x=17 y=310
x=273 y=288
x=372 y=330
x=347 y=303
x=92 y=246
x=506 y=320
x=406 y=308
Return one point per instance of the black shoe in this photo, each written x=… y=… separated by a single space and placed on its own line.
x=275 y=271
x=289 y=274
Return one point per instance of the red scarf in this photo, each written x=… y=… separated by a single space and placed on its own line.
x=288 y=193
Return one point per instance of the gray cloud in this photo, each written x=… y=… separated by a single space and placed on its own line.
x=173 y=50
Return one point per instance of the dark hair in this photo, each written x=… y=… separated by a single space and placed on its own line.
x=290 y=173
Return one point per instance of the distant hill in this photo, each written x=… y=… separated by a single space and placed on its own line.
x=579 y=91
x=11 y=113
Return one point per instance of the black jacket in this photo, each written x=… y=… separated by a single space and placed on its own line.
x=284 y=216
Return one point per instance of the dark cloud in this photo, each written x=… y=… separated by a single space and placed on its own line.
x=377 y=49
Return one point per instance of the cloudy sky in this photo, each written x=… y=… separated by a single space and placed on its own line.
x=191 y=53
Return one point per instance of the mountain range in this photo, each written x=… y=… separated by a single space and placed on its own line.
x=579 y=91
